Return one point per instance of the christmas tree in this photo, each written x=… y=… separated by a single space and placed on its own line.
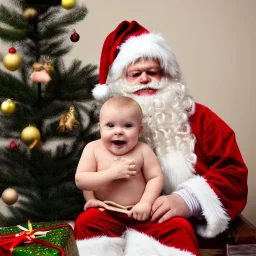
x=47 y=111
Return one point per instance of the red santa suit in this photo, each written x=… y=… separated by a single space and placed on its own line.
x=220 y=183
x=217 y=179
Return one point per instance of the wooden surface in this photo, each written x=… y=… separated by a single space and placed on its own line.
x=231 y=250
x=213 y=252
x=241 y=250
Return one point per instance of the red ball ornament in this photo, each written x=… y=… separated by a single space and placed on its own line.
x=12 y=50
x=75 y=37
x=13 y=145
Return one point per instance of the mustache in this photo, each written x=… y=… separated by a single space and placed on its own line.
x=127 y=88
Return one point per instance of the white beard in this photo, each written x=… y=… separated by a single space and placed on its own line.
x=166 y=123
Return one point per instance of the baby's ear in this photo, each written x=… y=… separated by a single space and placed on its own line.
x=141 y=129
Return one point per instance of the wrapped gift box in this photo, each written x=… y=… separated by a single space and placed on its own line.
x=59 y=235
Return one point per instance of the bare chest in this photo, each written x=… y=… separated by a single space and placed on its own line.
x=105 y=159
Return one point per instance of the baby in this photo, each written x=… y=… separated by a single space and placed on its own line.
x=118 y=167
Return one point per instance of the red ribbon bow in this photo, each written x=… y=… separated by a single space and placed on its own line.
x=10 y=241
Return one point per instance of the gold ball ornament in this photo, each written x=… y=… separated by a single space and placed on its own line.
x=30 y=13
x=68 y=4
x=10 y=196
x=12 y=60
x=8 y=106
x=30 y=136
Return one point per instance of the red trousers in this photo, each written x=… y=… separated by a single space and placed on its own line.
x=176 y=232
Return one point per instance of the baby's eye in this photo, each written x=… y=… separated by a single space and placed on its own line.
x=128 y=125
x=110 y=125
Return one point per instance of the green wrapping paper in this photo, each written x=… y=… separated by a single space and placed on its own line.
x=62 y=237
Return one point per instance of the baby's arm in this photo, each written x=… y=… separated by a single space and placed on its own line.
x=87 y=177
x=92 y=201
x=155 y=180
x=88 y=195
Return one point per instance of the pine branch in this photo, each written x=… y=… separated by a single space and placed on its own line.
x=23 y=116
x=12 y=18
x=48 y=14
x=74 y=67
x=73 y=16
x=13 y=35
x=71 y=86
x=47 y=47
x=59 y=52
x=20 y=3
x=24 y=74
x=51 y=32
x=12 y=87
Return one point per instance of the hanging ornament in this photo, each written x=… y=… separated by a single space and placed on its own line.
x=13 y=145
x=12 y=60
x=10 y=196
x=67 y=121
x=8 y=106
x=75 y=37
x=40 y=74
x=30 y=13
x=48 y=65
x=30 y=136
x=68 y=4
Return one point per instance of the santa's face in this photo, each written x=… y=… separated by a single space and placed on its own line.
x=144 y=72
x=147 y=94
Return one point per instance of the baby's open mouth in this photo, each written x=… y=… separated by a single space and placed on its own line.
x=118 y=142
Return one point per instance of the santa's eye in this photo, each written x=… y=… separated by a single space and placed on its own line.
x=134 y=75
x=152 y=73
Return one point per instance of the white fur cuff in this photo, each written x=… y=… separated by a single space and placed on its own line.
x=213 y=210
x=143 y=245
x=101 y=246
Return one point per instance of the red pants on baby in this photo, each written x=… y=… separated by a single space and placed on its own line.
x=176 y=232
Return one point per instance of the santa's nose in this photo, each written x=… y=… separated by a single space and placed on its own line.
x=144 y=78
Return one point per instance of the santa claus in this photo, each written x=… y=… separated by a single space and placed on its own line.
x=205 y=175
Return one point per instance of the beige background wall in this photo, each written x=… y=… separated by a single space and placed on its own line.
x=214 y=41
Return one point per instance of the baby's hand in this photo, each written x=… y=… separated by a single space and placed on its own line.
x=94 y=203
x=141 y=211
x=123 y=168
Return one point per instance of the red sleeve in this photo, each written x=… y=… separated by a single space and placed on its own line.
x=219 y=160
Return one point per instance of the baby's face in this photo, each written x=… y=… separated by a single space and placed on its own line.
x=120 y=129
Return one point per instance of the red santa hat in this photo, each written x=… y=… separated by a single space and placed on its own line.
x=125 y=45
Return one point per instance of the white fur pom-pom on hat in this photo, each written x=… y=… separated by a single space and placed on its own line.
x=101 y=92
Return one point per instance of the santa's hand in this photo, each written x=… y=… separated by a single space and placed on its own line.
x=123 y=168
x=140 y=211
x=169 y=206
x=94 y=203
